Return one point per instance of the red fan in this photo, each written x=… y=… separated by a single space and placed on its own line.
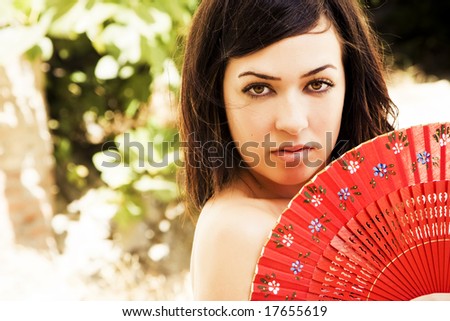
x=373 y=225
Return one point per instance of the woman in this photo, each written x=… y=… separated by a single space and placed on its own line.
x=272 y=91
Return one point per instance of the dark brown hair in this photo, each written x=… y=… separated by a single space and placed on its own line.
x=222 y=29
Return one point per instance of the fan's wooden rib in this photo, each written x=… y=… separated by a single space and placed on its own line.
x=356 y=279
x=393 y=207
x=444 y=215
x=397 y=218
x=423 y=238
x=336 y=290
x=371 y=250
x=373 y=222
x=419 y=173
x=442 y=229
x=433 y=173
x=442 y=222
x=445 y=161
x=428 y=227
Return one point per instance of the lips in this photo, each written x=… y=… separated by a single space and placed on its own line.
x=292 y=149
x=290 y=154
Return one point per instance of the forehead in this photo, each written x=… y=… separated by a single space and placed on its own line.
x=321 y=45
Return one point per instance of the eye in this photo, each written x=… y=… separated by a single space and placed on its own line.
x=257 y=90
x=317 y=85
x=320 y=85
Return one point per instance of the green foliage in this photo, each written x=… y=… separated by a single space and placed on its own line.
x=140 y=162
x=109 y=57
x=108 y=64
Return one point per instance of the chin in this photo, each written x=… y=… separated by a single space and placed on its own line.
x=300 y=175
x=292 y=183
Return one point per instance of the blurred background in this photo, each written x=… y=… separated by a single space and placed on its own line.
x=89 y=203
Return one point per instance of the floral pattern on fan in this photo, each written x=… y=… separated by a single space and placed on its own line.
x=270 y=284
x=314 y=195
x=281 y=237
x=346 y=194
x=353 y=165
x=423 y=158
x=381 y=170
x=442 y=135
x=397 y=142
x=317 y=225
x=298 y=265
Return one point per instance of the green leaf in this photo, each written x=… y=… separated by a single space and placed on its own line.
x=132 y=108
x=61 y=7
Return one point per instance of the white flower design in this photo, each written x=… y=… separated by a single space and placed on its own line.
x=316 y=200
x=288 y=240
x=443 y=140
x=353 y=166
x=397 y=148
x=274 y=286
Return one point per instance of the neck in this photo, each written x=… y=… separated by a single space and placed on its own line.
x=261 y=187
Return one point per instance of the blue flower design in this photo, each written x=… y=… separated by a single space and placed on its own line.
x=315 y=226
x=296 y=267
x=380 y=170
x=344 y=194
x=423 y=157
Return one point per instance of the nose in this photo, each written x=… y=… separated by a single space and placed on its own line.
x=292 y=115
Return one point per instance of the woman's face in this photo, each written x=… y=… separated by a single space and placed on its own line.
x=284 y=107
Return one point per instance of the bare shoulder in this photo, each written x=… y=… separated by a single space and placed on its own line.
x=229 y=237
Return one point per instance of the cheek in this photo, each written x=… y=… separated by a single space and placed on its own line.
x=246 y=124
x=327 y=124
x=334 y=125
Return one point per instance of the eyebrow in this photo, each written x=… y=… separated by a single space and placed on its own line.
x=317 y=70
x=267 y=77
x=256 y=74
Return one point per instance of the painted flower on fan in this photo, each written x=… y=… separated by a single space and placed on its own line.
x=316 y=200
x=344 y=194
x=443 y=140
x=274 y=286
x=296 y=267
x=423 y=157
x=380 y=170
x=353 y=166
x=398 y=147
x=315 y=226
x=288 y=240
